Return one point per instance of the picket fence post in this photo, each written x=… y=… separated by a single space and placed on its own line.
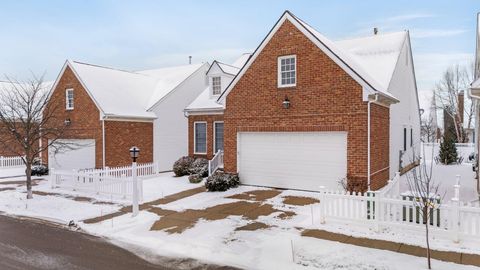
x=52 y=178
x=323 y=204
x=456 y=211
x=1 y=161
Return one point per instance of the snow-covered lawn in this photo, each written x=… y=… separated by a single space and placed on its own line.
x=11 y=172
x=65 y=208
x=220 y=238
x=445 y=176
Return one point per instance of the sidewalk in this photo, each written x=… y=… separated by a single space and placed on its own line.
x=447 y=256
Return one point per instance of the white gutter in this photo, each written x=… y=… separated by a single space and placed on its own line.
x=103 y=143
x=368 y=140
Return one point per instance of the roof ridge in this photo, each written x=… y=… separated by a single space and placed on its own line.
x=370 y=36
x=228 y=64
x=105 y=67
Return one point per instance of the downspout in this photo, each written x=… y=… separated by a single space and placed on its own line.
x=368 y=140
x=103 y=142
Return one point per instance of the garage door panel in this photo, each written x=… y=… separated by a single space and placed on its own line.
x=80 y=156
x=301 y=160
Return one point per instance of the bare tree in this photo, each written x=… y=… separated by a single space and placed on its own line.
x=25 y=118
x=455 y=80
x=425 y=197
x=428 y=129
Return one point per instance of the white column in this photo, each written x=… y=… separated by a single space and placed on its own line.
x=456 y=212
x=135 y=189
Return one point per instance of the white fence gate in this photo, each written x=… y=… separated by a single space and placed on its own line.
x=387 y=208
x=11 y=162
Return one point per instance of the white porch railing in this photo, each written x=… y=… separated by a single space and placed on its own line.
x=94 y=183
x=388 y=209
x=215 y=163
x=11 y=162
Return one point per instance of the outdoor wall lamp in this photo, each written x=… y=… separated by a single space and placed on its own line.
x=67 y=122
x=134 y=153
x=286 y=103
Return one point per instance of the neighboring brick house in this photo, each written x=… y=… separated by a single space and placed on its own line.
x=302 y=110
x=111 y=110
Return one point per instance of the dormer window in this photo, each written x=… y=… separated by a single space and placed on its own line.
x=287 y=71
x=217 y=85
x=69 y=99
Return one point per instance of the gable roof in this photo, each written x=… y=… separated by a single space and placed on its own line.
x=343 y=58
x=127 y=94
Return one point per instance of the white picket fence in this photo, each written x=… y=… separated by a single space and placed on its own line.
x=387 y=208
x=143 y=170
x=11 y=162
x=108 y=181
x=93 y=183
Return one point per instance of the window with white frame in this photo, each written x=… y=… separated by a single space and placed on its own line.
x=287 y=71
x=217 y=85
x=69 y=99
x=218 y=131
x=200 y=137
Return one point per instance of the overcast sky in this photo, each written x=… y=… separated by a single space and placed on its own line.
x=38 y=36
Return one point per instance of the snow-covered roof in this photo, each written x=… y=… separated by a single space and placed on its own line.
x=352 y=58
x=120 y=93
x=232 y=70
x=205 y=101
x=377 y=55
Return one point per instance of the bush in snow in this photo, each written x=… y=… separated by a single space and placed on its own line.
x=221 y=181
x=195 y=178
x=448 y=151
x=200 y=167
x=181 y=167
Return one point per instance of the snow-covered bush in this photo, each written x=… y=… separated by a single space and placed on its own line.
x=195 y=178
x=200 y=167
x=221 y=181
x=182 y=166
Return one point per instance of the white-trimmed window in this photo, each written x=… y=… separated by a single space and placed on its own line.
x=69 y=99
x=217 y=85
x=200 y=137
x=287 y=71
x=218 y=136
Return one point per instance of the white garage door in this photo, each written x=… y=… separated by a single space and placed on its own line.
x=81 y=156
x=296 y=160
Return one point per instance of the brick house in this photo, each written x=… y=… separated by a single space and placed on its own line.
x=305 y=111
x=111 y=110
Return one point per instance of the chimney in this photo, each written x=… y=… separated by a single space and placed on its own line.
x=375 y=30
x=190 y=60
x=461 y=104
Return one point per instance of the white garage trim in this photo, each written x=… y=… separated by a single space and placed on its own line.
x=293 y=160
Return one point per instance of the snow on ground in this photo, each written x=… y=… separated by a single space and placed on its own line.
x=217 y=242
x=66 y=209
x=445 y=176
x=10 y=172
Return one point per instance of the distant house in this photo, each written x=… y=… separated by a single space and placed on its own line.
x=474 y=94
x=305 y=111
x=111 y=110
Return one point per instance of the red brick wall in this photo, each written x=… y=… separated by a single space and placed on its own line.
x=120 y=136
x=210 y=119
x=85 y=117
x=86 y=124
x=325 y=98
x=9 y=146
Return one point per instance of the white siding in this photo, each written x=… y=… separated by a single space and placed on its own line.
x=170 y=139
x=405 y=113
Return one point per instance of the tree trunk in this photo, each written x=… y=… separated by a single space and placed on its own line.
x=28 y=172
x=427 y=238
